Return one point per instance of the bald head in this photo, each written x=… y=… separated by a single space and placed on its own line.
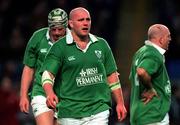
x=76 y=11
x=80 y=23
x=160 y=35
x=157 y=31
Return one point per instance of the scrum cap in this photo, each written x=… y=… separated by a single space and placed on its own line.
x=57 y=17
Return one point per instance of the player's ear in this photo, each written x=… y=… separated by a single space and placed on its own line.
x=161 y=40
x=70 y=23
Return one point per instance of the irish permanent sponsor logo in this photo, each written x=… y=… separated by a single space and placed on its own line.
x=89 y=76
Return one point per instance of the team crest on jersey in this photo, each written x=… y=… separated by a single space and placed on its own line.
x=98 y=53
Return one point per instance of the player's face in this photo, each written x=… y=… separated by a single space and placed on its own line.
x=81 y=23
x=57 y=32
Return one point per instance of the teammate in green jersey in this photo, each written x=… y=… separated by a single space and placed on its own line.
x=151 y=89
x=85 y=75
x=35 y=52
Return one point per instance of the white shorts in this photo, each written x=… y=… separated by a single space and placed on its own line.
x=98 y=119
x=165 y=121
x=39 y=106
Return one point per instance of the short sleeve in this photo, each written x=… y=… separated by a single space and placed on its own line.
x=110 y=64
x=150 y=64
x=53 y=60
x=30 y=52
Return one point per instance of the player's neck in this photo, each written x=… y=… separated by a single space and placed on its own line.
x=80 y=39
x=81 y=42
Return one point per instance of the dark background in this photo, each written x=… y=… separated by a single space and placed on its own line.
x=123 y=23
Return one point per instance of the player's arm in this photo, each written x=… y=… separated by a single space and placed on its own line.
x=48 y=83
x=26 y=80
x=115 y=87
x=145 y=79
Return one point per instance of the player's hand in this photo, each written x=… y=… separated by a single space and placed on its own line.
x=52 y=100
x=24 y=104
x=147 y=95
x=121 y=112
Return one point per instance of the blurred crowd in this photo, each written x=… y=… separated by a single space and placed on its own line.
x=20 y=18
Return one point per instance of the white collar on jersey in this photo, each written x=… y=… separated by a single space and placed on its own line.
x=47 y=35
x=48 y=38
x=69 y=38
x=161 y=50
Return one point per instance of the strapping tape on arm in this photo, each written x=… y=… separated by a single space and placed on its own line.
x=47 y=78
x=114 y=86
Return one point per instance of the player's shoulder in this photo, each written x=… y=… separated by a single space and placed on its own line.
x=41 y=31
x=61 y=43
x=97 y=39
x=150 y=51
x=62 y=40
x=100 y=39
x=38 y=35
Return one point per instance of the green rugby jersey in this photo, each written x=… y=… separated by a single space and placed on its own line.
x=149 y=58
x=81 y=76
x=35 y=52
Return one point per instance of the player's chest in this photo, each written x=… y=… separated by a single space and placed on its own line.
x=76 y=56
